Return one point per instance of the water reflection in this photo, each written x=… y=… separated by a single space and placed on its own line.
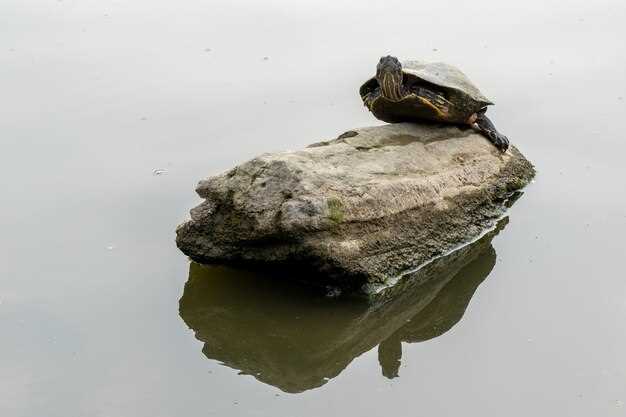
x=287 y=337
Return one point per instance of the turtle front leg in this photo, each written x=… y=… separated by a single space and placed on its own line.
x=488 y=129
x=369 y=98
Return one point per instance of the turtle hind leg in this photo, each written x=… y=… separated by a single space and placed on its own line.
x=488 y=129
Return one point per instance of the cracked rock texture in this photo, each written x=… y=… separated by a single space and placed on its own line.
x=356 y=210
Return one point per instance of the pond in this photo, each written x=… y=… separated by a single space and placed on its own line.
x=114 y=110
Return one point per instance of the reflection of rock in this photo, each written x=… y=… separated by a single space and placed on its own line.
x=443 y=312
x=284 y=336
x=361 y=208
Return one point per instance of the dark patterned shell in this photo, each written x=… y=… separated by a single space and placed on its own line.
x=444 y=75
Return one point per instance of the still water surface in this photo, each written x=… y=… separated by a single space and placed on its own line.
x=97 y=95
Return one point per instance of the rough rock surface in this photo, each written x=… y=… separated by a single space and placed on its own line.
x=358 y=209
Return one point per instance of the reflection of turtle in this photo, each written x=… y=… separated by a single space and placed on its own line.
x=439 y=92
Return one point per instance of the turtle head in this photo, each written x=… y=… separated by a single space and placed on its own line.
x=389 y=77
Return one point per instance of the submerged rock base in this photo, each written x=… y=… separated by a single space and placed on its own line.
x=361 y=208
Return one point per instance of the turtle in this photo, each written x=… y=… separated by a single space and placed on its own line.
x=415 y=91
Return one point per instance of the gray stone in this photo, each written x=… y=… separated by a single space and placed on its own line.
x=359 y=209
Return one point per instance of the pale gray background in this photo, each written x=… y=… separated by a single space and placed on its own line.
x=97 y=94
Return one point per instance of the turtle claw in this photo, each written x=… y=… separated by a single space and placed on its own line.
x=489 y=130
x=502 y=143
x=499 y=141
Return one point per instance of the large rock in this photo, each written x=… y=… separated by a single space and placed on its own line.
x=358 y=209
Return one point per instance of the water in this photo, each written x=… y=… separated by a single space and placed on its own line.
x=100 y=94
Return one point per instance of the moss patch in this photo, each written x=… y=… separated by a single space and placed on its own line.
x=335 y=210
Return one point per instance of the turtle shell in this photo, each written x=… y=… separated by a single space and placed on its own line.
x=445 y=75
x=465 y=97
